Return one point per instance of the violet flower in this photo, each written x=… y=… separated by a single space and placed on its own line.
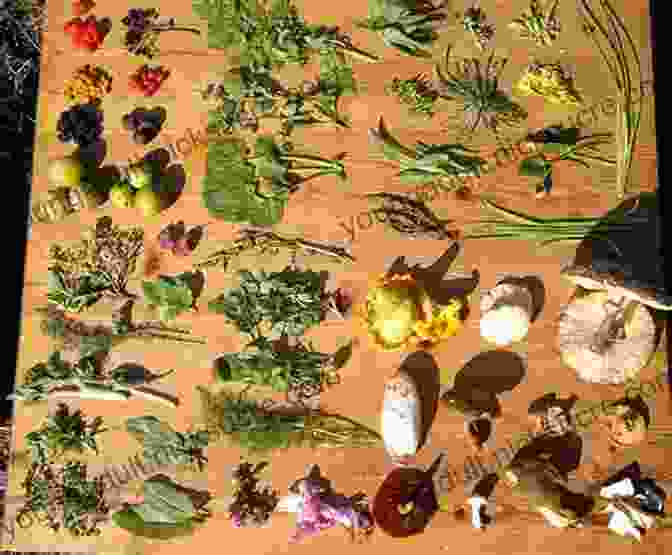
x=4 y=481
x=321 y=510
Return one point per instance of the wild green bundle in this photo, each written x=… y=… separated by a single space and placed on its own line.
x=407 y=25
x=427 y=162
x=63 y=432
x=514 y=225
x=100 y=265
x=618 y=51
x=270 y=33
x=264 y=241
x=245 y=423
x=476 y=87
x=245 y=187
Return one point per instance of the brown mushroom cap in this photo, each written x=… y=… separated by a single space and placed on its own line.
x=623 y=359
x=619 y=281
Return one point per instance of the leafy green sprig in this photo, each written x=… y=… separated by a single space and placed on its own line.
x=565 y=145
x=86 y=378
x=417 y=93
x=159 y=440
x=63 y=432
x=101 y=264
x=426 y=162
x=171 y=295
x=406 y=25
x=247 y=424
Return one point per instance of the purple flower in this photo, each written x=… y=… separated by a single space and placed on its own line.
x=4 y=481
x=236 y=520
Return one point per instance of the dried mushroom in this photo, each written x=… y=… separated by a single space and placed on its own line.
x=609 y=335
x=401 y=418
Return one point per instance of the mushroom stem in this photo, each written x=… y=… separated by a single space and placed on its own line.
x=613 y=326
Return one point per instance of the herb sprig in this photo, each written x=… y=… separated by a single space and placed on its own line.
x=100 y=265
x=263 y=241
x=252 y=427
x=417 y=93
x=90 y=339
x=540 y=23
x=85 y=379
x=565 y=144
x=426 y=163
x=406 y=25
x=63 y=432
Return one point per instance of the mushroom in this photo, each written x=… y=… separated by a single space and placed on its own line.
x=401 y=418
x=609 y=335
x=627 y=423
x=506 y=314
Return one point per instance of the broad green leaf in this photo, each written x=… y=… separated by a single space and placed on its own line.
x=150 y=430
x=533 y=167
x=164 y=491
x=152 y=291
x=129 y=520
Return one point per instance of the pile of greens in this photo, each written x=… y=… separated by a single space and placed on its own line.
x=159 y=441
x=253 y=188
x=270 y=308
x=63 y=498
x=290 y=301
x=171 y=295
x=63 y=432
x=248 y=94
x=270 y=33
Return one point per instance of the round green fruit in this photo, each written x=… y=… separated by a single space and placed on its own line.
x=121 y=196
x=66 y=171
x=148 y=201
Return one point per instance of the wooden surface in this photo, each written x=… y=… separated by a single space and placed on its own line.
x=318 y=212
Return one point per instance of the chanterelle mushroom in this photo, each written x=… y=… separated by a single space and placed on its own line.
x=608 y=336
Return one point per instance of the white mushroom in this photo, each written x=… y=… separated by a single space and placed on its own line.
x=506 y=311
x=477 y=503
x=609 y=335
x=401 y=418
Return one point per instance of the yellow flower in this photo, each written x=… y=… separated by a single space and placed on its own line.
x=549 y=81
x=446 y=322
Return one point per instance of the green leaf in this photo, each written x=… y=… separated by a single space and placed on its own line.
x=535 y=166
x=55 y=281
x=149 y=429
x=229 y=190
x=343 y=355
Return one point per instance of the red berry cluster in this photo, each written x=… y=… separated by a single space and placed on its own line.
x=85 y=33
x=148 y=80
